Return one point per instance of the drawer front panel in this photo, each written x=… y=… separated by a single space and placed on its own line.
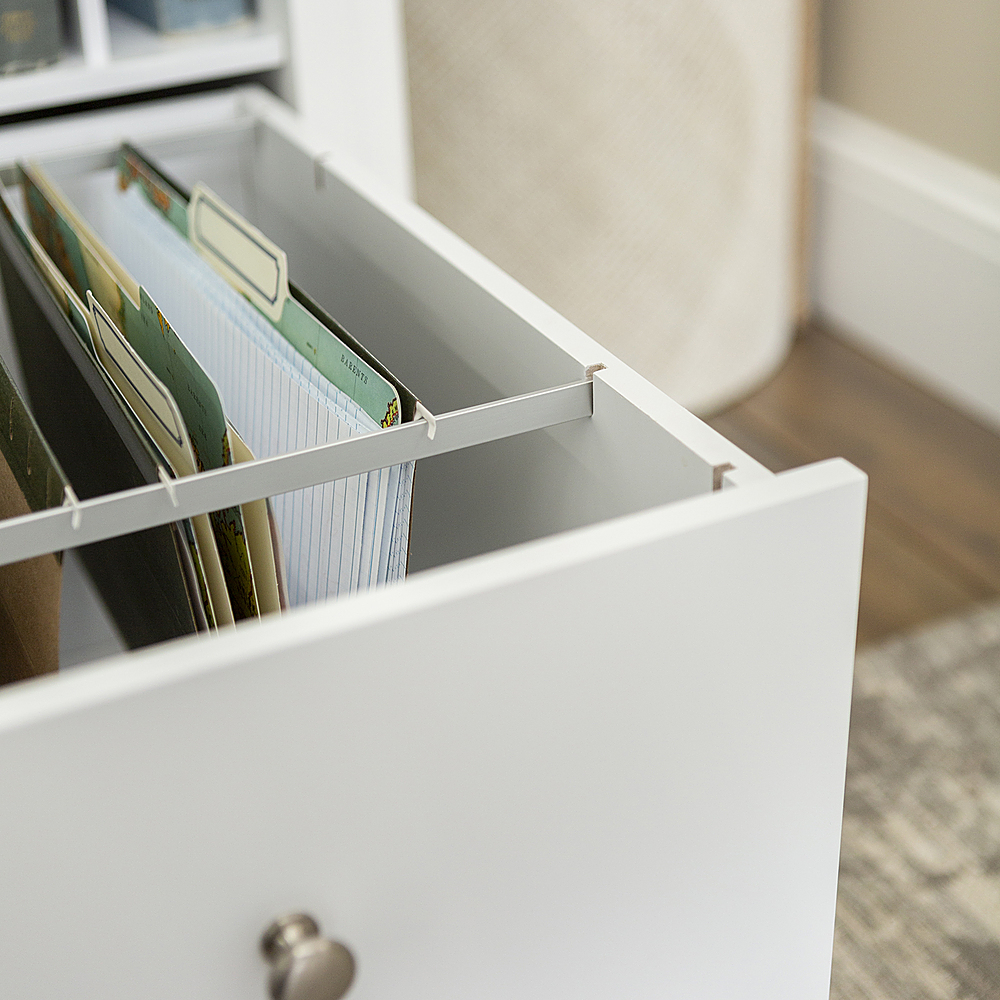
x=605 y=764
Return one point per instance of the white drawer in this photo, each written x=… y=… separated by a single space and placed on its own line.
x=594 y=746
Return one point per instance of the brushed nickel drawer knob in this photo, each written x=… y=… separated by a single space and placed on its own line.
x=305 y=966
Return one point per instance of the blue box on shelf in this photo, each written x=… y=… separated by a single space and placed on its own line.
x=185 y=15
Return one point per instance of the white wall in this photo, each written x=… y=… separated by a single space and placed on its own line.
x=927 y=69
x=906 y=254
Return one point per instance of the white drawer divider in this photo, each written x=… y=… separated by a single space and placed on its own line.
x=84 y=521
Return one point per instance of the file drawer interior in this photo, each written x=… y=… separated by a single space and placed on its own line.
x=449 y=324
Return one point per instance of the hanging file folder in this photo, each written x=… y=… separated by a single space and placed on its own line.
x=31 y=479
x=147 y=579
x=166 y=331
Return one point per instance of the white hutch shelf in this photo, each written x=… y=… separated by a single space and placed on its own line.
x=110 y=54
x=339 y=63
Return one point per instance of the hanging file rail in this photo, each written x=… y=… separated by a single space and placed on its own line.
x=86 y=521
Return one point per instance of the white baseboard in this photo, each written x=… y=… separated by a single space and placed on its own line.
x=906 y=256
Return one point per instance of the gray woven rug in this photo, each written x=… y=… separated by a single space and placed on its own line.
x=918 y=912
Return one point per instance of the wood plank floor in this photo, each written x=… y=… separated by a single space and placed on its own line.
x=932 y=545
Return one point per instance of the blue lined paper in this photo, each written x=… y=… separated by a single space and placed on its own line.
x=337 y=537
